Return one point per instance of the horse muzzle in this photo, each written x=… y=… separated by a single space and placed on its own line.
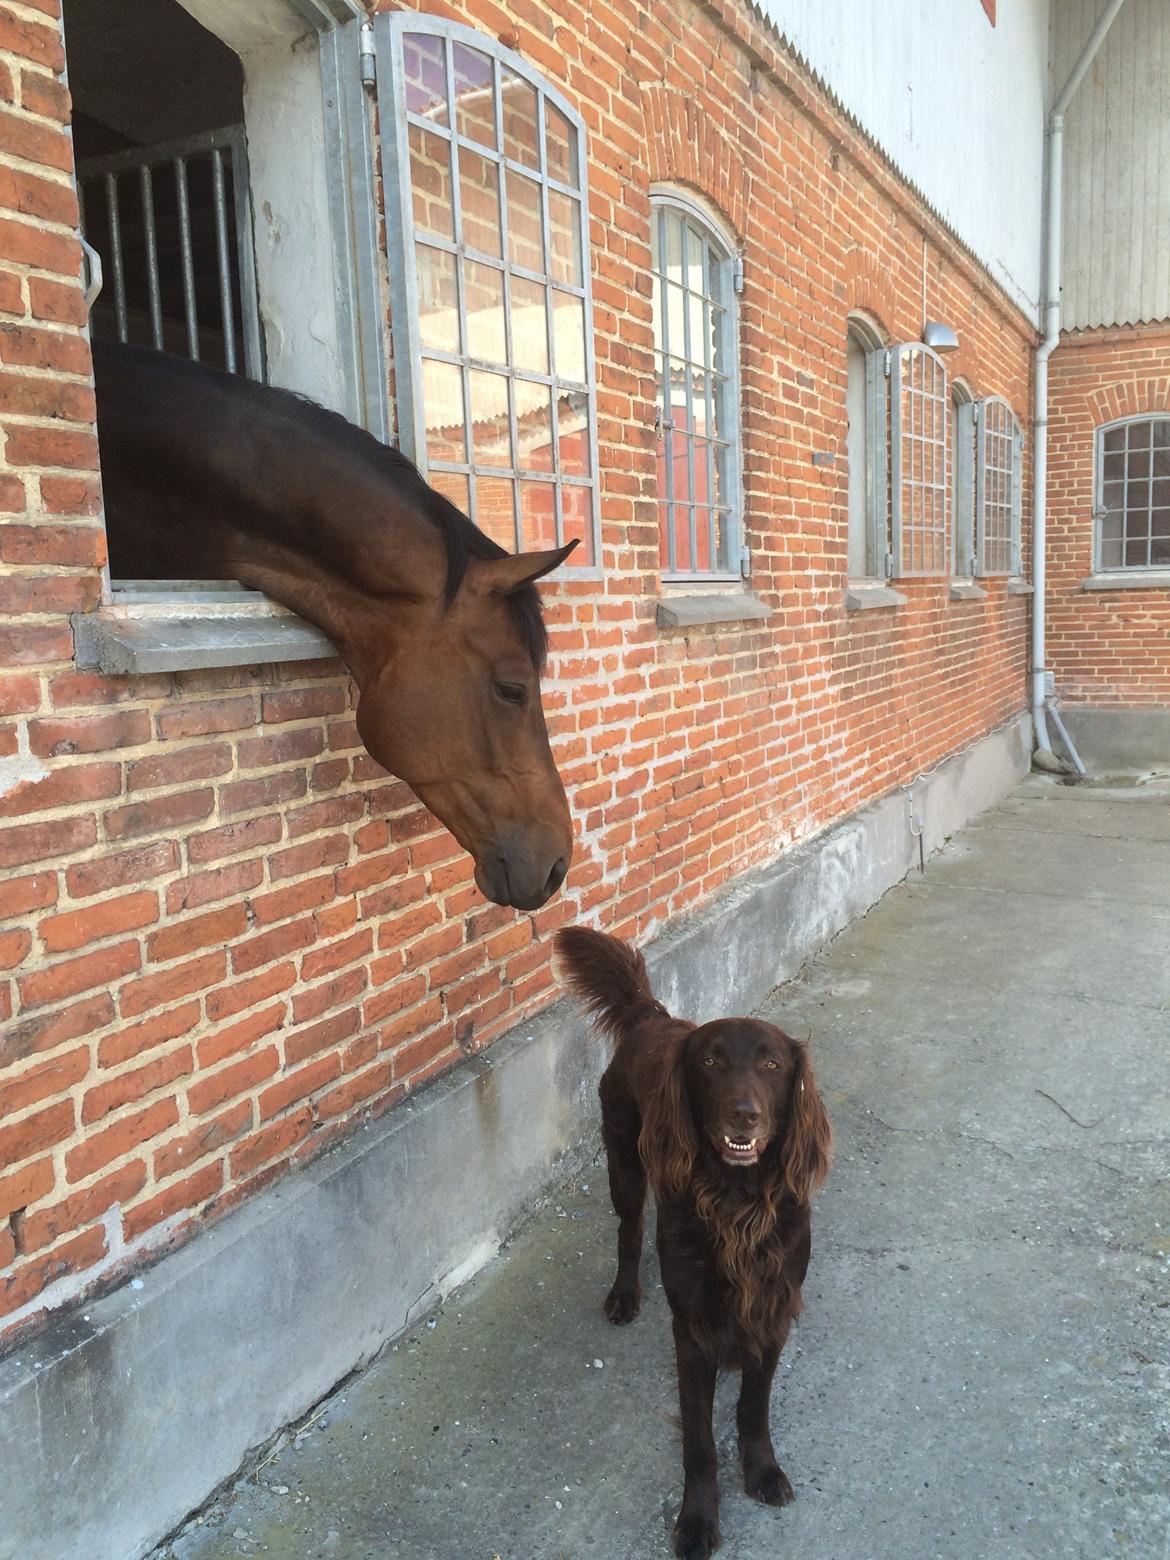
x=520 y=873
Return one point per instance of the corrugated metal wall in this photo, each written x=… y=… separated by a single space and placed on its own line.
x=956 y=104
x=1117 y=164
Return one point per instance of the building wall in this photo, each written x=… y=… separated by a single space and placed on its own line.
x=227 y=935
x=1106 y=647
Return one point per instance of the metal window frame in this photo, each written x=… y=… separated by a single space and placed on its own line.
x=988 y=409
x=963 y=484
x=903 y=427
x=409 y=354
x=1099 y=509
x=663 y=198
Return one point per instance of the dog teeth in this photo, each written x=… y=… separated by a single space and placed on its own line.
x=739 y=1148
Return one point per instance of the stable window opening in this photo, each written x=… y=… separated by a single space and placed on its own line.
x=1132 y=499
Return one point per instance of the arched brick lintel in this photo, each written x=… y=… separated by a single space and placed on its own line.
x=1130 y=398
x=684 y=146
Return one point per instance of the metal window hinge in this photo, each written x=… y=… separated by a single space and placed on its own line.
x=889 y=566
x=745 y=561
x=737 y=273
x=366 y=54
x=887 y=363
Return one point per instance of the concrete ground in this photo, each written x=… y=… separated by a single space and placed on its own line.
x=983 y=1371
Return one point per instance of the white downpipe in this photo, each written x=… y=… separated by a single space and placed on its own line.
x=1051 y=282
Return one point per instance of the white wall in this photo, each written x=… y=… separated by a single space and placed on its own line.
x=956 y=104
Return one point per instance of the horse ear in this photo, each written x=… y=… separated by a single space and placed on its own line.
x=502 y=576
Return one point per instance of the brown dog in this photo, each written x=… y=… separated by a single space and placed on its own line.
x=725 y=1123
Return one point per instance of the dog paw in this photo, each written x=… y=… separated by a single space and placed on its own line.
x=696 y=1536
x=768 y=1483
x=622 y=1304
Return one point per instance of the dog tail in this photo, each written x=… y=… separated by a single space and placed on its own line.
x=607 y=975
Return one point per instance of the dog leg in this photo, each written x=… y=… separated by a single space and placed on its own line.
x=620 y=1125
x=763 y=1477
x=696 y=1532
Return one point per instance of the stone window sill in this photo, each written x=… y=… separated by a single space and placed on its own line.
x=967 y=590
x=721 y=607
x=1020 y=588
x=184 y=626
x=1136 y=579
x=863 y=597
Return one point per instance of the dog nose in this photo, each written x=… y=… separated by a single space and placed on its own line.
x=745 y=1114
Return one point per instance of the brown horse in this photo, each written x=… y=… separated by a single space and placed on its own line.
x=209 y=476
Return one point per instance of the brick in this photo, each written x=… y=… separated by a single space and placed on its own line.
x=130 y=1040
x=286 y=747
x=139 y=996
x=207 y=1138
x=262 y=791
x=201 y=931
x=229 y=1039
x=180 y=1197
x=31 y=196
x=164 y=812
x=45 y=1031
x=209 y=717
x=66 y=787
x=133 y=1085
x=31 y=445
x=285 y=902
x=34 y=645
x=233 y=838
x=326 y=961
x=43 y=1081
x=191 y=763
x=70 y=977
x=303 y=1043
x=239 y=1078
x=47 y=1225
x=33 y=1134
x=34 y=41
x=14 y=947
x=330 y=814
x=26 y=843
x=18 y=695
x=21 y=1285
x=243 y=994
x=37 y=892
x=330 y=993
x=72 y=546
x=44 y=594
x=376 y=1080
x=89 y=733
x=308 y=857
x=24 y=1186
x=75 y=928
x=44 y=96
x=271 y=1142
x=83 y=496
x=298 y=1085
x=63 y=303
x=128 y=866
x=283 y=704
x=203 y=888
x=128 y=1133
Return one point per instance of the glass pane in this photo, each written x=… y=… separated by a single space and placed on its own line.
x=656 y=315
x=1114 y=467
x=699 y=484
x=525 y=230
x=534 y=425
x=1135 y=553
x=1160 y=550
x=538 y=516
x=700 y=397
x=1160 y=521
x=479 y=195
x=724 y=418
x=723 y=541
x=663 y=536
x=484 y=302
x=675 y=320
x=495 y=509
x=430 y=184
x=1160 y=433
x=674 y=250
x=561 y=139
x=698 y=322
x=443 y=411
x=1113 y=495
x=521 y=140
x=490 y=436
x=1114 y=439
x=577 y=522
x=426 y=76
x=569 y=336
x=573 y=432
x=475 y=114
x=1111 y=528
x=723 y=474
x=452 y=485
x=1138 y=464
x=438 y=299
x=1162 y=463
x=1160 y=492
x=677 y=392
x=1111 y=554
x=682 y=537
x=1139 y=436
x=1137 y=494
x=564 y=234
x=529 y=326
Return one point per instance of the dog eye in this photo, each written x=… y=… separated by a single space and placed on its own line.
x=512 y=693
x=772 y=1065
x=708 y=1061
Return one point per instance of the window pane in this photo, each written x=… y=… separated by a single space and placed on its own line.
x=538 y=514
x=490 y=435
x=521 y=139
x=534 y=425
x=1139 y=436
x=1114 y=439
x=525 y=230
x=484 y=302
x=561 y=138
x=430 y=183
x=479 y=195
x=1111 y=554
x=438 y=300
x=452 y=485
x=573 y=432
x=529 y=326
x=1135 y=553
x=675 y=320
x=1160 y=434
x=475 y=114
x=443 y=410
x=569 y=336
x=564 y=228
x=424 y=59
x=577 y=521
x=674 y=251
x=495 y=509
x=1160 y=550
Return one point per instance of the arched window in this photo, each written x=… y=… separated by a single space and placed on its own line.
x=1132 y=494
x=865 y=450
x=490 y=289
x=920 y=415
x=697 y=373
x=963 y=480
x=997 y=487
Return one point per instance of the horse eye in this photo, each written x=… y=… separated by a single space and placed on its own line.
x=512 y=693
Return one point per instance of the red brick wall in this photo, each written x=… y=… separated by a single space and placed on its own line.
x=1106 y=647
x=226 y=935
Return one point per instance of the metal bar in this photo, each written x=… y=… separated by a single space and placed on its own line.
x=116 y=255
x=246 y=259
x=187 y=259
x=226 y=308
x=162 y=152
x=152 y=288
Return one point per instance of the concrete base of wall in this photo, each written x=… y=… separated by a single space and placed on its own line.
x=119 y=1421
x=1115 y=739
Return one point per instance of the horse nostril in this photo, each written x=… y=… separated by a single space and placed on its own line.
x=556 y=877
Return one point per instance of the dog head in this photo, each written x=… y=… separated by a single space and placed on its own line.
x=741 y=1092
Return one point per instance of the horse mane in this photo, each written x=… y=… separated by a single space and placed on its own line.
x=463 y=540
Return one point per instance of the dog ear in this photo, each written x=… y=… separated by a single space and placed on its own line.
x=667 y=1142
x=808 y=1145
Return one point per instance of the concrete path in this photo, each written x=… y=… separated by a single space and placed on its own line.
x=983 y=1372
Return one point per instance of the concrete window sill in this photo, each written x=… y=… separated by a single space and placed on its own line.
x=1136 y=579
x=721 y=607
x=967 y=590
x=863 y=597
x=182 y=627
x=1020 y=588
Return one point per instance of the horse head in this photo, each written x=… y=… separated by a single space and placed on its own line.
x=451 y=704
